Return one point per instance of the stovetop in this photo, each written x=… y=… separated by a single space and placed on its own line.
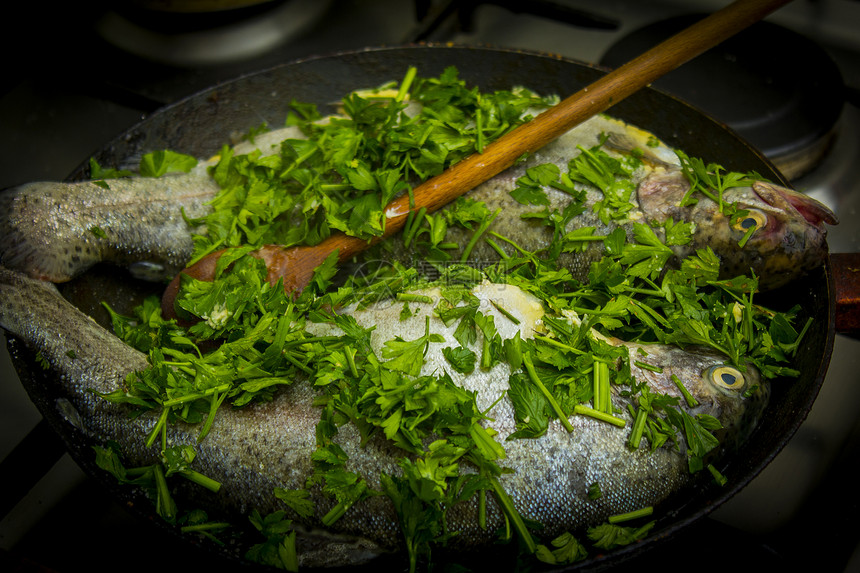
x=87 y=73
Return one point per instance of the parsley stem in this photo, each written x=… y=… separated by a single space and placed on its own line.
x=491 y=406
x=653 y=313
x=299 y=160
x=201 y=480
x=162 y=420
x=796 y=343
x=558 y=344
x=164 y=505
x=645 y=291
x=718 y=477
x=597 y=415
x=410 y=232
x=334 y=514
x=593 y=311
x=489 y=448
x=746 y=237
x=602 y=396
x=638 y=427
x=646 y=366
x=301 y=341
x=477 y=235
x=410 y=217
x=138 y=472
x=622 y=517
x=211 y=249
x=691 y=402
x=334 y=187
x=297 y=364
x=406 y=83
x=749 y=318
x=183 y=366
x=530 y=368
x=511 y=512
x=510 y=242
x=214 y=404
x=486 y=354
x=605 y=387
x=479 y=128
x=350 y=360
x=502 y=254
x=197 y=395
x=570 y=238
x=507 y=314
x=204 y=527
x=411 y=297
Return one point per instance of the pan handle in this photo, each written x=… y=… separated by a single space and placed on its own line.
x=846 y=282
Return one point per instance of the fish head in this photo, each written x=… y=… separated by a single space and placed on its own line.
x=736 y=396
x=773 y=231
x=787 y=233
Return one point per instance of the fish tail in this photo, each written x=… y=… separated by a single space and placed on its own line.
x=80 y=350
x=39 y=236
x=55 y=231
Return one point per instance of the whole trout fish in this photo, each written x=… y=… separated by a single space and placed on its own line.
x=263 y=446
x=55 y=231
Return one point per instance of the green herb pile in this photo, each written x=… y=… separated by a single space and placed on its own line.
x=252 y=338
x=348 y=168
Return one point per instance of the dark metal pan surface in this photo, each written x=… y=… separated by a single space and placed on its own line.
x=200 y=124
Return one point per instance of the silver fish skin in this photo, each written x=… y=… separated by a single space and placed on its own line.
x=46 y=228
x=262 y=446
x=49 y=229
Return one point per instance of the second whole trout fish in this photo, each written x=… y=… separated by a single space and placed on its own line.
x=55 y=231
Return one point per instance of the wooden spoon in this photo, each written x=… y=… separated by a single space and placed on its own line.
x=296 y=264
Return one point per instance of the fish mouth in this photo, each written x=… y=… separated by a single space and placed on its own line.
x=812 y=210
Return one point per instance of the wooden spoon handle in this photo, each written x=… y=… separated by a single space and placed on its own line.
x=296 y=265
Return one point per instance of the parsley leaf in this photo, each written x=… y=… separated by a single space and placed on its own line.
x=609 y=536
x=610 y=175
x=531 y=409
x=461 y=359
x=160 y=162
x=279 y=548
x=567 y=550
x=408 y=356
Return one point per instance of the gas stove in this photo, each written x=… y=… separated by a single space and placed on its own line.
x=101 y=68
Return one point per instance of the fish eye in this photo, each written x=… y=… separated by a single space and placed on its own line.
x=727 y=377
x=753 y=219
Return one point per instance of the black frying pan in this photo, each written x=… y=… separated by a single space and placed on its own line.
x=200 y=124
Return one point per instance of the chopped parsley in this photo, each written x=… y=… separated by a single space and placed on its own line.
x=349 y=167
x=251 y=338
